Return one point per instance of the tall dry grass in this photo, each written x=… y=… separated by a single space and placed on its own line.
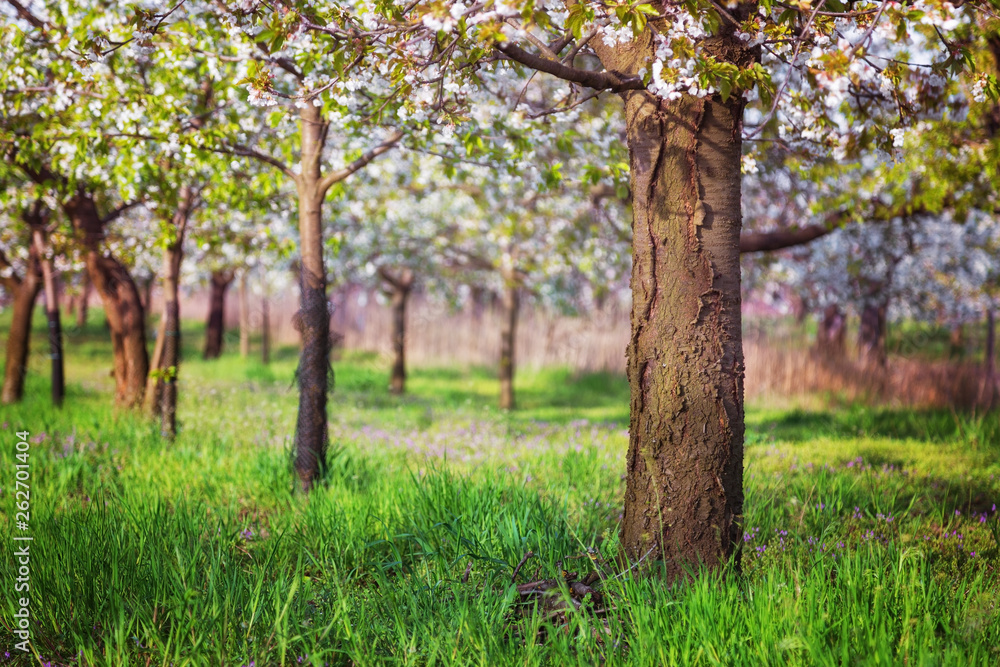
x=780 y=361
x=778 y=372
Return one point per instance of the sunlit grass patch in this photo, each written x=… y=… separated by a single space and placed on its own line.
x=870 y=537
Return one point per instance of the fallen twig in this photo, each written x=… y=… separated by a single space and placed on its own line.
x=517 y=569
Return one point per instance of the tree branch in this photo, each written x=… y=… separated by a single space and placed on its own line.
x=118 y=212
x=596 y=80
x=782 y=238
x=244 y=151
x=25 y=14
x=13 y=281
x=335 y=177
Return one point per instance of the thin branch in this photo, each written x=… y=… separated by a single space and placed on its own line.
x=517 y=569
x=782 y=238
x=26 y=14
x=868 y=33
x=583 y=100
x=568 y=59
x=335 y=177
x=13 y=281
x=798 y=47
x=596 y=80
x=245 y=151
x=385 y=275
x=117 y=213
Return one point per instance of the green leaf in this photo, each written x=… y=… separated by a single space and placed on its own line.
x=725 y=88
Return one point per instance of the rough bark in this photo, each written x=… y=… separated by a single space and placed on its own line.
x=122 y=303
x=24 y=292
x=508 y=334
x=684 y=468
x=53 y=318
x=244 y=298
x=871 y=336
x=313 y=317
x=400 y=287
x=831 y=332
x=215 y=326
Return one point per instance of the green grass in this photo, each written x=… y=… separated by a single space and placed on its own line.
x=871 y=534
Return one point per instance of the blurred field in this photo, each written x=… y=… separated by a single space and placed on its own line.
x=872 y=535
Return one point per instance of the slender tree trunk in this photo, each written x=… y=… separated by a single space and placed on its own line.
x=122 y=303
x=397 y=384
x=170 y=362
x=53 y=316
x=152 y=400
x=831 y=332
x=171 y=358
x=244 y=316
x=265 y=331
x=24 y=292
x=684 y=484
x=147 y=299
x=956 y=341
x=313 y=316
x=215 y=327
x=800 y=309
x=400 y=287
x=508 y=334
x=988 y=393
x=82 y=301
x=477 y=298
x=871 y=336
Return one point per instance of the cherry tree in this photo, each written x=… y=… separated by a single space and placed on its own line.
x=59 y=106
x=20 y=276
x=838 y=78
x=544 y=223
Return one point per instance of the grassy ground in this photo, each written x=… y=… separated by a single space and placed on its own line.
x=871 y=536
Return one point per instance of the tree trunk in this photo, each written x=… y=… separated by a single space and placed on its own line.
x=82 y=301
x=265 y=331
x=871 y=336
x=800 y=308
x=313 y=317
x=508 y=334
x=152 y=401
x=684 y=484
x=215 y=327
x=988 y=394
x=173 y=256
x=171 y=358
x=25 y=293
x=53 y=317
x=147 y=298
x=122 y=303
x=400 y=287
x=830 y=334
x=244 y=316
x=956 y=342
